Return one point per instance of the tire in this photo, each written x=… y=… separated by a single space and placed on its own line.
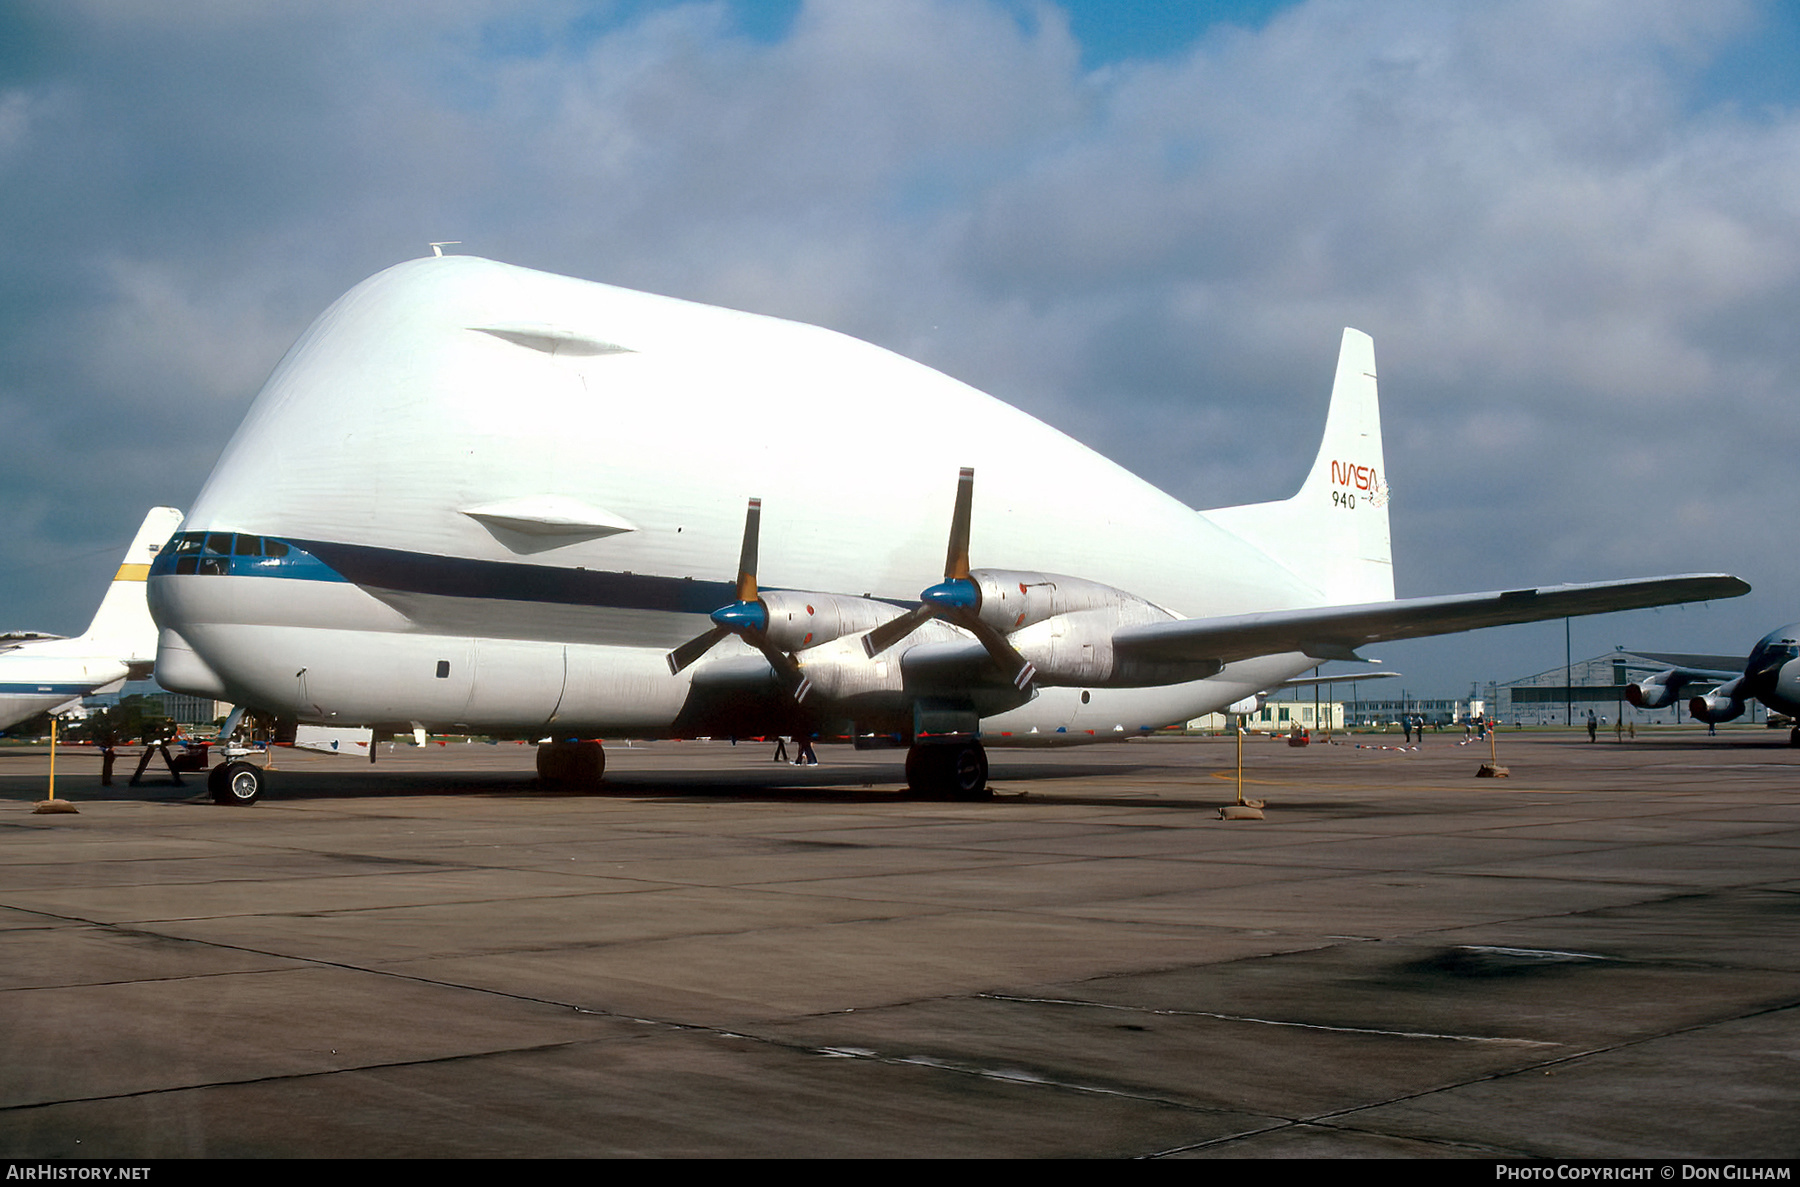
x=237 y=783
x=954 y=771
x=966 y=771
x=571 y=764
x=919 y=769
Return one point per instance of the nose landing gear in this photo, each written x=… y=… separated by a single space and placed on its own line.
x=238 y=783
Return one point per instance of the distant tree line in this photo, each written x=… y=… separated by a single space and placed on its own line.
x=133 y=719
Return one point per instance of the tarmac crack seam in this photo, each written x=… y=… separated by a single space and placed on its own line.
x=286 y=1077
x=1324 y=1120
x=1363 y=1030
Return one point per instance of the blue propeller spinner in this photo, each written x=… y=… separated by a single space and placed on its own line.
x=747 y=618
x=956 y=599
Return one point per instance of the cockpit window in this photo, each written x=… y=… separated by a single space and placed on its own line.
x=238 y=554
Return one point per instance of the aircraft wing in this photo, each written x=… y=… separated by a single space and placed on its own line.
x=1697 y=667
x=1335 y=632
x=11 y=640
x=1334 y=678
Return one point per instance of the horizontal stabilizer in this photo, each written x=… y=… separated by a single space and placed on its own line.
x=1335 y=632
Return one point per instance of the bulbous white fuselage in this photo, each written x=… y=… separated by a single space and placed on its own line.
x=504 y=496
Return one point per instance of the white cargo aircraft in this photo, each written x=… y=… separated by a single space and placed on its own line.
x=477 y=497
x=41 y=672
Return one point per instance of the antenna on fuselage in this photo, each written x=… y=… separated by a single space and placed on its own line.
x=437 y=249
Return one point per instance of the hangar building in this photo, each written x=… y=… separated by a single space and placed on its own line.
x=1567 y=694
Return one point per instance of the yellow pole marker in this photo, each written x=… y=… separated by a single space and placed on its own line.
x=53 y=804
x=1491 y=769
x=1242 y=810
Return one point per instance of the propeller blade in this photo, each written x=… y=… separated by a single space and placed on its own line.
x=956 y=597
x=956 y=561
x=1018 y=669
x=894 y=630
x=746 y=581
x=694 y=648
x=742 y=617
x=787 y=669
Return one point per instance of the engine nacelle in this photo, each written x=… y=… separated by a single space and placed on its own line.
x=842 y=670
x=1721 y=704
x=799 y=620
x=1658 y=692
x=1063 y=626
x=1012 y=600
x=1076 y=649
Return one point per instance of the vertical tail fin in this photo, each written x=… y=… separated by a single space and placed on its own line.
x=1333 y=534
x=122 y=624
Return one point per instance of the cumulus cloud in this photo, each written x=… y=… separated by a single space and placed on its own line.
x=1575 y=251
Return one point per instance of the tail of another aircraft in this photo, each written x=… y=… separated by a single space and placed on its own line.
x=1333 y=534
x=122 y=627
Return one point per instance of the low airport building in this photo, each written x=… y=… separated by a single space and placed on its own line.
x=1439 y=711
x=1278 y=717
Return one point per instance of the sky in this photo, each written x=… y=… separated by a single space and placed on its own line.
x=1570 y=226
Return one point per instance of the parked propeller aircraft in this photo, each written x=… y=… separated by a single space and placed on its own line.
x=1771 y=675
x=477 y=497
x=39 y=672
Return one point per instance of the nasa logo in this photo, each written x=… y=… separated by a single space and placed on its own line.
x=1351 y=474
x=1358 y=478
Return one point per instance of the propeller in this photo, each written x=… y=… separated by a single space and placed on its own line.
x=747 y=618
x=956 y=599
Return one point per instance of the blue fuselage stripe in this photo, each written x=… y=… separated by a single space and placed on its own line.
x=397 y=571
x=462 y=577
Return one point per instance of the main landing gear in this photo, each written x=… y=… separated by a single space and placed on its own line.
x=948 y=770
x=571 y=765
x=238 y=783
